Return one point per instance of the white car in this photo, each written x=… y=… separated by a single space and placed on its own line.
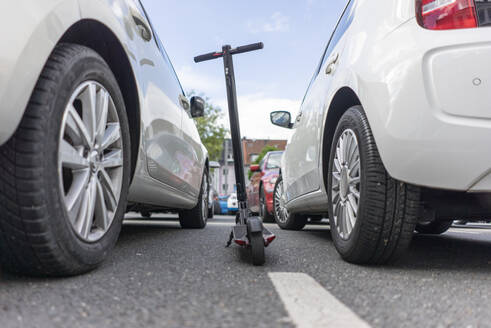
x=232 y=203
x=394 y=131
x=93 y=122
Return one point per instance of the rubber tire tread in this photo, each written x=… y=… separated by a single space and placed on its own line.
x=388 y=209
x=266 y=216
x=29 y=244
x=193 y=218
x=257 y=248
x=295 y=222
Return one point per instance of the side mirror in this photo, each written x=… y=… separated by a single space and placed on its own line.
x=197 y=107
x=282 y=119
x=255 y=168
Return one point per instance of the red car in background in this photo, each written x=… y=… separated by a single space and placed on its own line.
x=261 y=188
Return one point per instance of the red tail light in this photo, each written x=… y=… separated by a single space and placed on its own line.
x=446 y=14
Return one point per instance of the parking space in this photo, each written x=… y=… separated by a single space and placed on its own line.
x=160 y=275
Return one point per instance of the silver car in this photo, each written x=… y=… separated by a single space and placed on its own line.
x=93 y=123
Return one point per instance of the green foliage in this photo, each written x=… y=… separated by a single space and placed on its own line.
x=211 y=131
x=263 y=153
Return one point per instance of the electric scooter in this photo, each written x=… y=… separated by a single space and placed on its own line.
x=249 y=231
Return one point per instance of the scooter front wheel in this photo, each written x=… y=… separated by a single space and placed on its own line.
x=257 y=247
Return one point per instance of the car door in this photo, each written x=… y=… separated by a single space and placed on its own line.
x=193 y=153
x=302 y=174
x=163 y=108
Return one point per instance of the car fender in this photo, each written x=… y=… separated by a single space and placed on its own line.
x=115 y=15
x=31 y=29
x=372 y=86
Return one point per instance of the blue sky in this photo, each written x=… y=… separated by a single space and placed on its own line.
x=294 y=33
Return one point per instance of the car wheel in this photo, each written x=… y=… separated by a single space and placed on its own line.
x=196 y=217
x=372 y=216
x=263 y=209
x=433 y=227
x=211 y=211
x=218 y=209
x=283 y=218
x=65 y=172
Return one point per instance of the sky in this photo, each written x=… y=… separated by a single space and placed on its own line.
x=294 y=33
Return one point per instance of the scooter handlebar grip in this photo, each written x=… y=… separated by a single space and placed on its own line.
x=209 y=56
x=247 y=48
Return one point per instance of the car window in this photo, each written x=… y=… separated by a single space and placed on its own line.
x=343 y=24
x=341 y=27
x=162 y=49
x=169 y=63
x=274 y=161
x=261 y=164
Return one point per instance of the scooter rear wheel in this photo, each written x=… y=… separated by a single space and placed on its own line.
x=257 y=247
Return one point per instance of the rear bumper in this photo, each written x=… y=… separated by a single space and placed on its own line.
x=431 y=116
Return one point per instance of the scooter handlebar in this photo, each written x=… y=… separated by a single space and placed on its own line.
x=209 y=56
x=247 y=48
x=238 y=50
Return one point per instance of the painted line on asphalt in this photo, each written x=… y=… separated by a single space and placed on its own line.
x=310 y=305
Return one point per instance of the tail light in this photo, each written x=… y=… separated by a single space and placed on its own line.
x=446 y=14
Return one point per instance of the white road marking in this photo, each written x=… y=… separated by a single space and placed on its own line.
x=310 y=305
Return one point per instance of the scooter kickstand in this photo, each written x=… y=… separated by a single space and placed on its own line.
x=230 y=239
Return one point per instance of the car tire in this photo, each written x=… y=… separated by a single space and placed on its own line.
x=433 y=227
x=263 y=209
x=218 y=209
x=37 y=236
x=196 y=217
x=381 y=211
x=211 y=211
x=283 y=218
x=146 y=214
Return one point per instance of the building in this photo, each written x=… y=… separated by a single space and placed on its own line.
x=251 y=148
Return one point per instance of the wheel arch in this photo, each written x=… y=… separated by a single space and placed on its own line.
x=207 y=165
x=344 y=99
x=207 y=170
x=108 y=46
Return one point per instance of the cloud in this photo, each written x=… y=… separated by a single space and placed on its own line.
x=277 y=23
x=254 y=109
x=192 y=80
x=254 y=113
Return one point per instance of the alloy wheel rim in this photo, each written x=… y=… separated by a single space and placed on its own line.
x=279 y=204
x=90 y=161
x=345 y=190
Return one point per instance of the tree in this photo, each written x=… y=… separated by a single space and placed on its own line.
x=263 y=153
x=211 y=131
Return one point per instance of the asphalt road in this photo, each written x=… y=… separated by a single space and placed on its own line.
x=162 y=276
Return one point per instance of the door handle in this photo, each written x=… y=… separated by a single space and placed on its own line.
x=184 y=102
x=143 y=29
x=331 y=63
